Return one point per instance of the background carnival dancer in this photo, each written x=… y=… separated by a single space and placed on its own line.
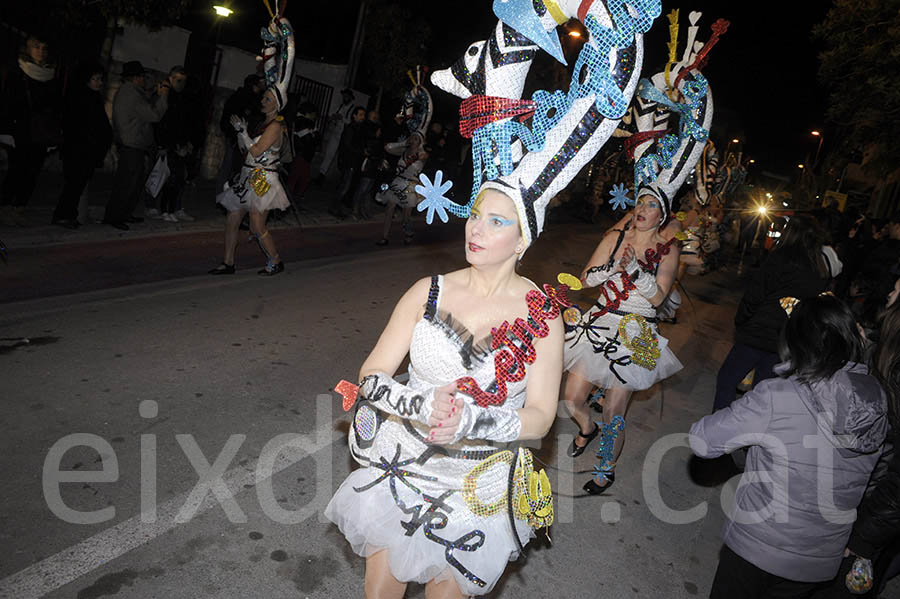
x=430 y=502
x=615 y=345
x=258 y=188
x=815 y=434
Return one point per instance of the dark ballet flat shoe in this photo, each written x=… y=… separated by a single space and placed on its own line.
x=576 y=450
x=593 y=488
x=223 y=269
x=270 y=271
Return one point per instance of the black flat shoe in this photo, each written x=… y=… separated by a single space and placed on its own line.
x=223 y=269
x=593 y=488
x=119 y=226
x=382 y=241
x=576 y=450
x=274 y=270
x=66 y=223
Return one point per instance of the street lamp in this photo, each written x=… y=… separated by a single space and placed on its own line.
x=821 y=137
x=800 y=166
x=222 y=11
x=735 y=141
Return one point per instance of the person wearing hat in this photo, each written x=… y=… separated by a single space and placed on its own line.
x=336 y=123
x=134 y=112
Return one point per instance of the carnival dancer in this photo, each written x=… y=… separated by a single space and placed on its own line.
x=435 y=502
x=430 y=503
x=616 y=345
x=258 y=188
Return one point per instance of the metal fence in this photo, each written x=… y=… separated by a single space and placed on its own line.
x=316 y=92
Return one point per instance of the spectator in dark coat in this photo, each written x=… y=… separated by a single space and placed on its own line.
x=30 y=114
x=88 y=136
x=243 y=103
x=876 y=532
x=795 y=268
x=368 y=171
x=305 y=138
x=350 y=153
x=173 y=134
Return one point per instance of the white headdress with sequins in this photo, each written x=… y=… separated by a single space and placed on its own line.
x=664 y=161
x=278 y=58
x=531 y=164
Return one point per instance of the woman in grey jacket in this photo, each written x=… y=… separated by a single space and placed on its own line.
x=815 y=434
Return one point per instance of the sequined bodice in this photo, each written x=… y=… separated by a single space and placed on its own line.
x=270 y=159
x=443 y=350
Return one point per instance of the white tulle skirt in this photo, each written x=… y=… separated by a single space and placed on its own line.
x=240 y=197
x=372 y=521
x=595 y=352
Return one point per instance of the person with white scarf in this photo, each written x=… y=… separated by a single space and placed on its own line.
x=30 y=123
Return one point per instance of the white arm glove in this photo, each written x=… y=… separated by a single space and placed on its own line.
x=597 y=276
x=392 y=397
x=491 y=424
x=240 y=126
x=644 y=282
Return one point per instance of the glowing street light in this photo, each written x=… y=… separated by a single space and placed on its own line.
x=762 y=210
x=816 y=133
x=735 y=141
x=801 y=166
x=222 y=11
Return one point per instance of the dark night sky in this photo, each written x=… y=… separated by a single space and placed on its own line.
x=762 y=72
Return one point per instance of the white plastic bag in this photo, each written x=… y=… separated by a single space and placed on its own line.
x=158 y=176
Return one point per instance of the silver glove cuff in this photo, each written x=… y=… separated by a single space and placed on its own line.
x=392 y=397
x=491 y=424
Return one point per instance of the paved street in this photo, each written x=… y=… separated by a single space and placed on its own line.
x=216 y=373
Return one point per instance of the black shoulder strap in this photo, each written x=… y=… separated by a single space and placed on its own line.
x=431 y=304
x=612 y=254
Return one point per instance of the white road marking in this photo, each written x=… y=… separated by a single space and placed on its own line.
x=70 y=564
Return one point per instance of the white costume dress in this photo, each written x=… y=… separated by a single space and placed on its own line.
x=258 y=187
x=408 y=498
x=595 y=347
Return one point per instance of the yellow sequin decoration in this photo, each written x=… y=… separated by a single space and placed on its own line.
x=644 y=346
x=788 y=303
x=572 y=281
x=681 y=216
x=470 y=486
x=681 y=236
x=534 y=498
x=258 y=182
x=572 y=316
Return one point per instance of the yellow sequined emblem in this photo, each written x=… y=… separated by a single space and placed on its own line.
x=644 y=346
x=258 y=182
x=532 y=497
x=470 y=486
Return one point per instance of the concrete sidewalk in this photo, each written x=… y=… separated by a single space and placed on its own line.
x=198 y=201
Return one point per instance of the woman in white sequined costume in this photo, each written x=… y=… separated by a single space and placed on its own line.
x=615 y=345
x=429 y=502
x=257 y=189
